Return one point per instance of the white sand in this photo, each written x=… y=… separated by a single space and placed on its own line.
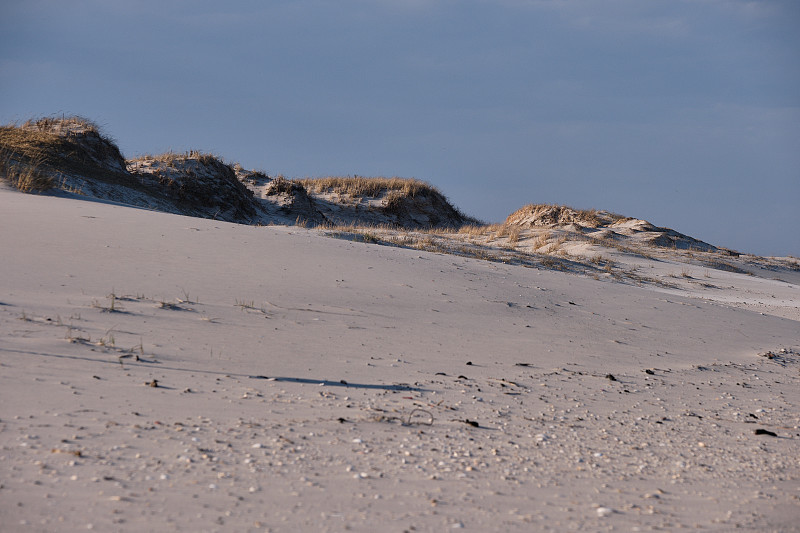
x=316 y=384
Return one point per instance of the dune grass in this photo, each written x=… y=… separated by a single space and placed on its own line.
x=172 y=159
x=548 y=214
x=358 y=186
x=37 y=154
x=29 y=176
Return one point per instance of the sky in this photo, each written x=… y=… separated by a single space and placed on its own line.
x=685 y=113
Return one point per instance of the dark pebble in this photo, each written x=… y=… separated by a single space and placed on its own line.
x=765 y=432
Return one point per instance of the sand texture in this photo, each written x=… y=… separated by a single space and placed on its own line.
x=166 y=373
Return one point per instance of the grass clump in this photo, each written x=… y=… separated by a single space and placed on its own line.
x=178 y=160
x=30 y=176
x=557 y=215
x=358 y=187
x=67 y=125
x=38 y=154
x=281 y=185
x=200 y=182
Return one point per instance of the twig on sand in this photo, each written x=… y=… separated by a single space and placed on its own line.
x=408 y=421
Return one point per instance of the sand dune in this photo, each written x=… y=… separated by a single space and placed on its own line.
x=164 y=372
x=189 y=345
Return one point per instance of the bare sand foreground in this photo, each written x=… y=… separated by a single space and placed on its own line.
x=160 y=372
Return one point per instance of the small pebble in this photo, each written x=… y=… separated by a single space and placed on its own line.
x=602 y=512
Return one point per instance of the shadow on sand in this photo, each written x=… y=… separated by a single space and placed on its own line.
x=153 y=364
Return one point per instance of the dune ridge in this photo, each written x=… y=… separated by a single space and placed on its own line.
x=71 y=155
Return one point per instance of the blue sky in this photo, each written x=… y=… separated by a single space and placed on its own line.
x=682 y=112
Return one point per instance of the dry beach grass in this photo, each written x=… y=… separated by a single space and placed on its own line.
x=360 y=186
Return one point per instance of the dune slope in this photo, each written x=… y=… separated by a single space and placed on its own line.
x=193 y=374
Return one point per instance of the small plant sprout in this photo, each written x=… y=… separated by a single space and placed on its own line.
x=73 y=338
x=107 y=339
x=138 y=348
x=113 y=306
x=187 y=298
x=245 y=304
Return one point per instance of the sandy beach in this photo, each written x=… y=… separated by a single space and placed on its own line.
x=163 y=372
